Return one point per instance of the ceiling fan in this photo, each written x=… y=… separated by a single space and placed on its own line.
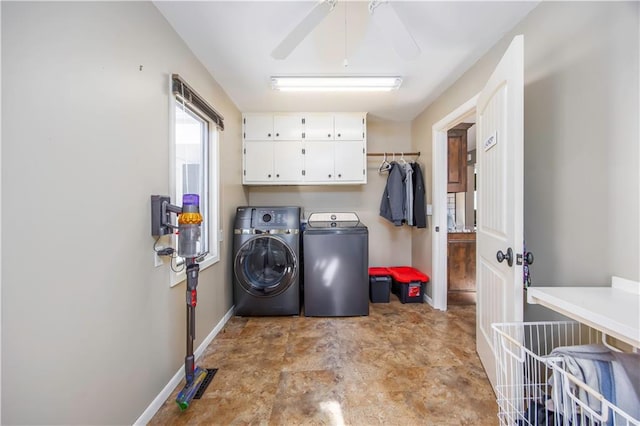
x=382 y=14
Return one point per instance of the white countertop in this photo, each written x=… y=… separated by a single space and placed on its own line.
x=613 y=310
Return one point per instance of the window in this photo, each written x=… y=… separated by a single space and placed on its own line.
x=194 y=149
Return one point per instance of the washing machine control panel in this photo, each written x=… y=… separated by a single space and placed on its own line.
x=264 y=219
x=271 y=218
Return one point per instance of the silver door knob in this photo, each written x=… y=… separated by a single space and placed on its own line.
x=508 y=256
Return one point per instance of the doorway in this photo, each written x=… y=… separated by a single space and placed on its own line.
x=461 y=213
x=466 y=111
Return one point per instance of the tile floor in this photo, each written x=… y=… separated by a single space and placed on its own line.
x=402 y=365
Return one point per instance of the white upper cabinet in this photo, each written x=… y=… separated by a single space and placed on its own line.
x=318 y=127
x=257 y=162
x=319 y=162
x=288 y=162
x=335 y=162
x=258 y=127
x=350 y=161
x=349 y=127
x=304 y=148
x=272 y=162
x=287 y=127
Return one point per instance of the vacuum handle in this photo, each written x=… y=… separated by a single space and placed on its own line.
x=192 y=276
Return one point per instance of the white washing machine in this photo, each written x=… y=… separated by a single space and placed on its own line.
x=266 y=261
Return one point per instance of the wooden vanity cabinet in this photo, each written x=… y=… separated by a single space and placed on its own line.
x=461 y=268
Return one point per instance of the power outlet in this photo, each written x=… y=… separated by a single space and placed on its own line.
x=157 y=260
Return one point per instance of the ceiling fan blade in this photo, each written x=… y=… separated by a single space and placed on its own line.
x=308 y=24
x=385 y=17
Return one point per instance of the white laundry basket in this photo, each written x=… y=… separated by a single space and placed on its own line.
x=524 y=392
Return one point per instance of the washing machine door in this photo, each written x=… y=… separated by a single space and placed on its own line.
x=265 y=266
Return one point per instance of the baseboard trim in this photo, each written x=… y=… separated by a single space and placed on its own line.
x=155 y=405
x=428 y=299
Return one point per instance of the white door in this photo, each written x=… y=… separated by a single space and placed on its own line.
x=258 y=127
x=318 y=127
x=319 y=161
x=287 y=127
x=288 y=161
x=350 y=161
x=500 y=112
x=349 y=127
x=258 y=161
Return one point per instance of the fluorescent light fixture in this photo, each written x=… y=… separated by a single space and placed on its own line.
x=335 y=84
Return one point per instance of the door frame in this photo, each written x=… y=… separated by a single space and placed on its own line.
x=439 y=218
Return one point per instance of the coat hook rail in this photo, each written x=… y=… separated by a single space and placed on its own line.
x=388 y=154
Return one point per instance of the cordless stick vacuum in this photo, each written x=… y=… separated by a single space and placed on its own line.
x=188 y=248
x=189 y=221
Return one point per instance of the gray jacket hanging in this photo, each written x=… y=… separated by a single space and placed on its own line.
x=393 y=198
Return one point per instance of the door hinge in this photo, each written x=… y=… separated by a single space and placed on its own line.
x=362 y=172
x=362 y=135
x=244 y=121
x=244 y=172
x=244 y=151
x=303 y=173
x=244 y=135
x=303 y=151
x=303 y=135
x=437 y=229
x=303 y=121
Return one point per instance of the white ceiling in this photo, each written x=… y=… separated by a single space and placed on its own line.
x=234 y=40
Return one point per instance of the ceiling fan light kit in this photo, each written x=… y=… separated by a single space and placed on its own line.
x=336 y=84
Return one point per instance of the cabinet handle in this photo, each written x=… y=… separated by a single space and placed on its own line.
x=329 y=135
x=339 y=175
x=277 y=176
x=269 y=134
x=277 y=134
x=268 y=176
x=329 y=175
x=338 y=134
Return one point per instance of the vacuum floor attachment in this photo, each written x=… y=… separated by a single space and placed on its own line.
x=201 y=379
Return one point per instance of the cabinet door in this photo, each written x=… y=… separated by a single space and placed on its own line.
x=349 y=127
x=457 y=160
x=258 y=161
x=318 y=127
x=287 y=127
x=288 y=161
x=258 y=126
x=318 y=161
x=349 y=161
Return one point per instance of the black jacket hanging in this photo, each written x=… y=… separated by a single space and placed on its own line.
x=419 y=200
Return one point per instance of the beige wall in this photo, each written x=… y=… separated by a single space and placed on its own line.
x=388 y=244
x=582 y=213
x=91 y=331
